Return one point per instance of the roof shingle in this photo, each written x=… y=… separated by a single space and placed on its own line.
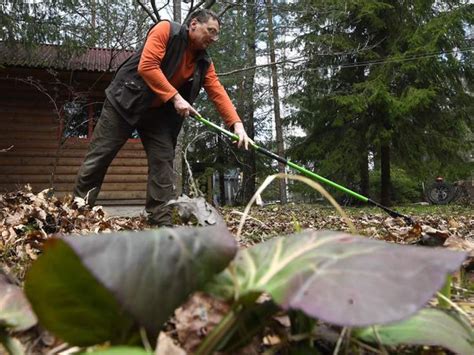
x=50 y=56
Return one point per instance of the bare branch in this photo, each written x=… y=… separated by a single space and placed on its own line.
x=152 y=16
x=193 y=8
x=227 y=8
x=6 y=149
x=157 y=11
x=192 y=183
x=209 y=4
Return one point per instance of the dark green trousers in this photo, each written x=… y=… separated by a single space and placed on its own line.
x=158 y=130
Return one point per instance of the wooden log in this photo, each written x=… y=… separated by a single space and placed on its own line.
x=67 y=170
x=42 y=161
x=69 y=187
x=24 y=179
x=39 y=136
x=29 y=118
x=68 y=152
x=33 y=127
x=70 y=143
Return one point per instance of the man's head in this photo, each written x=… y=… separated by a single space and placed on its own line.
x=204 y=27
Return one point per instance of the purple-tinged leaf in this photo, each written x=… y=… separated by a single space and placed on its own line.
x=427 y=327
x=88 y=283
x=15 y=311
x=340 y=278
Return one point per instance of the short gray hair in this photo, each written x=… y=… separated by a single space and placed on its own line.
x=203 y=15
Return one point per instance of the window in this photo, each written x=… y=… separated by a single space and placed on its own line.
x=75 y=120
x=80 y=118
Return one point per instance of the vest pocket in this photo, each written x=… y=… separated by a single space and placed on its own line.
x=131 y=96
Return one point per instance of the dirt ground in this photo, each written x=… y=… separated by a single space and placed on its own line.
x=124 y=211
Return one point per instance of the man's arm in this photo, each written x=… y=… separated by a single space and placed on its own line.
x=150 y=62
x=224 y=106
x=149 y=69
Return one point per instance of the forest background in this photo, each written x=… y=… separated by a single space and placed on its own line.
x=376 y=95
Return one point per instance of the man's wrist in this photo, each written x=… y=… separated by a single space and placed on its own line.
x=236 y=124
x=175 y=97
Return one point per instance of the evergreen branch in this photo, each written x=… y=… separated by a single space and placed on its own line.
x=390 y=60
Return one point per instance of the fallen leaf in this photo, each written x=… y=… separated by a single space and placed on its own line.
x=166 y=346
x=197 y=317
x=433 y=237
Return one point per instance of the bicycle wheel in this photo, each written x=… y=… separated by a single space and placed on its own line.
x=440 y=193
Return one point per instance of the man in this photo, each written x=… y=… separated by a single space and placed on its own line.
x=153 y=92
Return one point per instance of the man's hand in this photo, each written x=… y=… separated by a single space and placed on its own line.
x=182 y=107
x=243 y=138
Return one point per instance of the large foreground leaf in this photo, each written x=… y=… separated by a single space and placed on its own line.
x=340 y=278
x=15 y=311
x=88 y=289
x=428 y=327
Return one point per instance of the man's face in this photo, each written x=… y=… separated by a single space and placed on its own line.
x=203 y=34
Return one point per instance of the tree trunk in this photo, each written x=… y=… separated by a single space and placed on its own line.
x=177 y=10
x=276 y=100
x=222 y=200
x=385 y=175
x=246 y=109
x=221 y=170
x=178 y=155
x=364 y=167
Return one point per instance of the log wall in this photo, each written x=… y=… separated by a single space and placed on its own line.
x=31 y=127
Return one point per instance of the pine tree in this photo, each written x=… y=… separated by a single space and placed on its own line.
x=387 y=78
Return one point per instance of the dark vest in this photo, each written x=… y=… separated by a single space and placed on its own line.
x=130 y=95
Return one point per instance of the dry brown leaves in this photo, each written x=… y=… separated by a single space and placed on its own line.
x=28 y=219
x=196 y=318
x=456 y=232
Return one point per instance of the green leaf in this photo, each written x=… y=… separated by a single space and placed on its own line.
x=428 y=327
x=15 y=310
x=72 y=303
x=340 y=278
x=12 y=345
x=89 y=289
x=121 y=350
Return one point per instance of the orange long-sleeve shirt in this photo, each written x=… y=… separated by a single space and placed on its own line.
x=149 y=68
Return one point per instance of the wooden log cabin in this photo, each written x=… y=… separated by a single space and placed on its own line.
x=49 y=103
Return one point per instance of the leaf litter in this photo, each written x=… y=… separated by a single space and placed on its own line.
x=27 y=220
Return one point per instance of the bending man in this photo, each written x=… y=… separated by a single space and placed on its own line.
x=153 y=92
